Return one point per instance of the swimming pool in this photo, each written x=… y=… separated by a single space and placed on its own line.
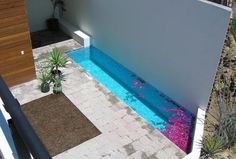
x=173 y=120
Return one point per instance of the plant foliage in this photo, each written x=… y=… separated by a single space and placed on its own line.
x=60 y=4
x=227 y=113
x=56 y=60
x=211 y=146
x=228 y=41
x=57 y=80
x=45 y=76
x=224 y=127
x=231 y=134
x=233 y=26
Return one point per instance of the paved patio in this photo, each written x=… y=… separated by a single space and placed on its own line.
x=125 y=135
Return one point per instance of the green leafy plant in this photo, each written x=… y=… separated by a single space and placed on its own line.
x=224 y=124
x=211 y=146
x=231 y=133
x=58 y=3
x=228 y=41
x=233 y=26
x=57 y=87
x=57 y=83
x=56 y=60
x=45 y=78
x=227 y=112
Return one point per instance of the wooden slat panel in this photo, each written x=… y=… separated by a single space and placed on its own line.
x=20 y=19
x=11 y=4
x=16 y=50
x=13 y=65
x=14 y=29
x=9 y=41
x=11 y=12
x=2 y=2
x=20 y=77
x=14 y=38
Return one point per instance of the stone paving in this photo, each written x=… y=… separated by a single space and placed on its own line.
x=125 y=135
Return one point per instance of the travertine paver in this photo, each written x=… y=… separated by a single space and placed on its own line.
x=125 y=135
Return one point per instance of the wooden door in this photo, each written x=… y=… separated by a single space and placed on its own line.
x=16 y=58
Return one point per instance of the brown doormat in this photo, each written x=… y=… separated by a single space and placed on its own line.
x=58 y=123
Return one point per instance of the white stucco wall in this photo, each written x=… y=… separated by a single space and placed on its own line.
x=173 y=44
x=38 y=11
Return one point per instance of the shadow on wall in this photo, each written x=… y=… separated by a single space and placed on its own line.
x=38 y=12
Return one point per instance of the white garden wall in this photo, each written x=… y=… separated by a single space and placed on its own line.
x=173 y=44
x=38 y=11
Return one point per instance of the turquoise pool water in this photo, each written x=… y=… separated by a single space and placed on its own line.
x=173 y=120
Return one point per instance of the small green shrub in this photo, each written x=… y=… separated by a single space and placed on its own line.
x=45 y=76
x=231 y=134
x=211 y=146
x=226 y=123
x=228 y=42
x=233 y=26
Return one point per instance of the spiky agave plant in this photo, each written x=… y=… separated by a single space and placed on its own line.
x=224 y=127
x=56 y=60
x=231 y=134
x=227 y=113
x=45 y=77
x=211 y=146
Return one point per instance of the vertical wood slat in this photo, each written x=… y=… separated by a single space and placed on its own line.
x=15 y=67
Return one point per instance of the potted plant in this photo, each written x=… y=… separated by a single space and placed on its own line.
x=52 y=23
x=55 y=61
x=45 y=78
x=57 y=86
